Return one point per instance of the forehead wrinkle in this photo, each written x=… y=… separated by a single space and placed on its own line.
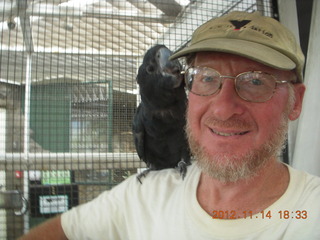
x=238 y=64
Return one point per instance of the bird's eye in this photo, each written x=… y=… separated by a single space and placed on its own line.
x=150 y=69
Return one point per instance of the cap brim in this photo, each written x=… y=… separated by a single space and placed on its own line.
x=254 y=51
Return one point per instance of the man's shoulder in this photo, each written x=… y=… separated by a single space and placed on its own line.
x=309 y=180
x=307 y=184
x=312 y=184
x=158 y=180
x=169 y=176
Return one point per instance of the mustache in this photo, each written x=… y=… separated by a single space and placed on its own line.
x=233 y=122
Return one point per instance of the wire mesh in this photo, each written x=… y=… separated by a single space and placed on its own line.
x=68 y=93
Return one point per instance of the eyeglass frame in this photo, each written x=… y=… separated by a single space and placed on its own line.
x=184 y=72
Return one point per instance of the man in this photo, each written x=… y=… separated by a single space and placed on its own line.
x=244 y=78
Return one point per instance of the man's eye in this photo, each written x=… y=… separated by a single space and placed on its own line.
x=207 y=79
x=256 y=82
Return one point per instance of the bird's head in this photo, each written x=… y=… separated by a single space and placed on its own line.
x=156 y=62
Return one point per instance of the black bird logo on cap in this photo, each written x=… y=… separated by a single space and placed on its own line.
x=239 y=24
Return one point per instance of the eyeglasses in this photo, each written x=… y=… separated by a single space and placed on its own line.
x=252 y=86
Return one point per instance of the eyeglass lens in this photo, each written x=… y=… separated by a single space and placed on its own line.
x=250 y=86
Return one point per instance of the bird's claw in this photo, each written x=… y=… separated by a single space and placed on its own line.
x=143 y=174
x=182 y=168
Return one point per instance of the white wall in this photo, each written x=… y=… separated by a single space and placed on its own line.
x=307 y=151
x=288 y=17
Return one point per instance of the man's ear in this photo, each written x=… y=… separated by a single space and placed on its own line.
x=299 y=90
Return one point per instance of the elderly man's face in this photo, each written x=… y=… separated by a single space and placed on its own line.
x=230 y=137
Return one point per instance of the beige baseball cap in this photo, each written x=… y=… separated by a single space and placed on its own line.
x=262 y=39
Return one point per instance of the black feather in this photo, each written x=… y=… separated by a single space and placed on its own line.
x=158 y=125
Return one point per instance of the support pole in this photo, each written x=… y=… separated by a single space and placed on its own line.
x=26 y=137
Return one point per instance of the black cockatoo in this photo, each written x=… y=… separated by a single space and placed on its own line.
x=158 y=125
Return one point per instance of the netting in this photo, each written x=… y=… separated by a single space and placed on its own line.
x=68 y=94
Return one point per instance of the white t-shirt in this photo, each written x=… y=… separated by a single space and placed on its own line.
x=165 y=207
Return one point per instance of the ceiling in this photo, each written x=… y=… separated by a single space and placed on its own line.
x=86 y=26
x=46 y=41
x=87 y=40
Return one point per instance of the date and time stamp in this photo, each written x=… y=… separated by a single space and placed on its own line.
x=283 y=214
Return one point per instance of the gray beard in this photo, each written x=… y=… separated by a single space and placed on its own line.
x=231 y=167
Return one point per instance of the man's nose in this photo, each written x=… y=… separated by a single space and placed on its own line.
x=226 y=102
